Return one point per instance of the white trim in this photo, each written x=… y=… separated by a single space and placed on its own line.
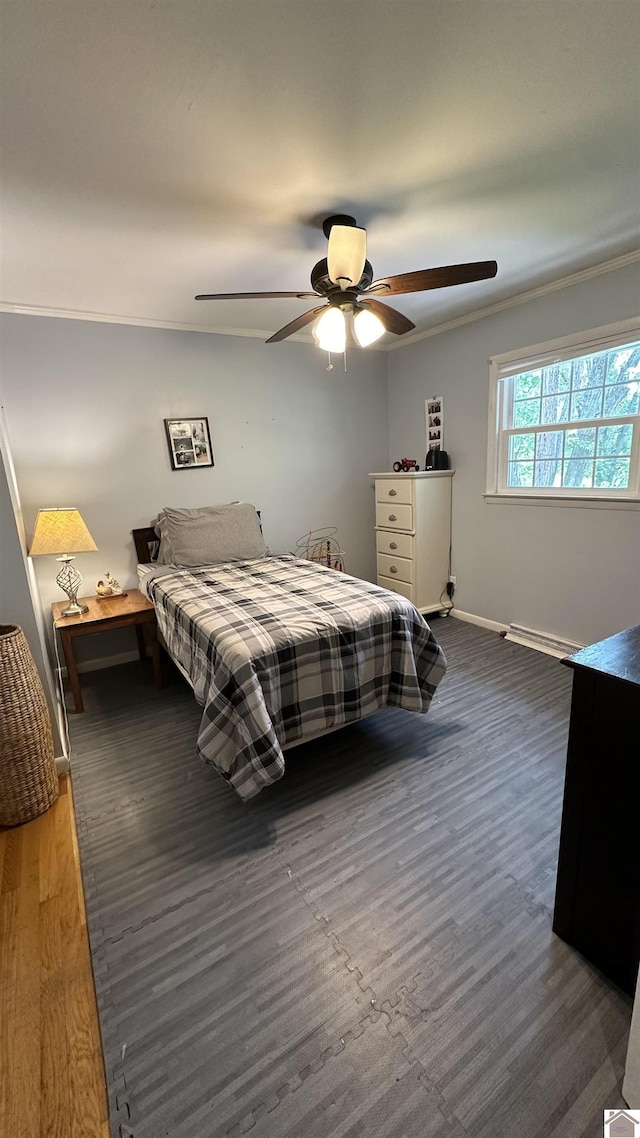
x=149 y=322
x=604 y=336
x=304 y=338
x=520 y=298
x=581 y=503
x=481 y=621
x=542 y=641
x=138 y=321
x=63 y=766
x=100 y=662
x=502 y=370
x=529 y=637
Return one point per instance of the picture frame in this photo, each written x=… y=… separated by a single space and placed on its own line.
x=434 y=417
x=189 y=442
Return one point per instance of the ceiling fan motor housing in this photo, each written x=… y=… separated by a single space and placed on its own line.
x=337 y=219
x=322 y=283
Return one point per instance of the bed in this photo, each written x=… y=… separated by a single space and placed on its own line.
x=279 y=650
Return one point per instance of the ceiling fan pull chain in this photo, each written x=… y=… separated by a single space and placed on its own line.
x=329 y=365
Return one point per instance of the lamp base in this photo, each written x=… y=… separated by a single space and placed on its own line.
x=74 y=610
x=70 y=580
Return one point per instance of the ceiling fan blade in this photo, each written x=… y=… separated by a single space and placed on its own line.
x=295 y=325
x=393 y=320
x=425 y=279
x=253 y=295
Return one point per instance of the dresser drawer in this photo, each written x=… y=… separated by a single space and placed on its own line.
x=397 y=587
x=394 y=490
x=396 y=544
x=390 y=516
x=400 y=568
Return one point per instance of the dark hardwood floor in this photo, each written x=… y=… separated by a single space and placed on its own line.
x=364 y=948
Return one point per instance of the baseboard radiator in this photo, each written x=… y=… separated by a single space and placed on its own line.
x=543 y=641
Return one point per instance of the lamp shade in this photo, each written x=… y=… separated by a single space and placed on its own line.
x=60 y=530
x=367 y=327
x=346 y=254
x=331 y=331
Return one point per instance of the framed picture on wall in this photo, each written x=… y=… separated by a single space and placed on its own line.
x=434 y=415
x=189 y=443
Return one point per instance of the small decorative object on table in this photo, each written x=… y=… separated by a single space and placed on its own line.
x=108 y=587
x=317 y=545
x=405 y=464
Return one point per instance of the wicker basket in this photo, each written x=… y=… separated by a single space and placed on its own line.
x=28 y=778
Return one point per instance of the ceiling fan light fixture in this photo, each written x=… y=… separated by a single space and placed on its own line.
x=331 y=330
x=367 y=327
x=346 y=254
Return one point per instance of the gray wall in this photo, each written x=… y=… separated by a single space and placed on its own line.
x=568 y=571
x=85 y=404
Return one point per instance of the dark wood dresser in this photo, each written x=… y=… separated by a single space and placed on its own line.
x=597 y=904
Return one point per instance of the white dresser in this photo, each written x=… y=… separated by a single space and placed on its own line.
x=413 y=535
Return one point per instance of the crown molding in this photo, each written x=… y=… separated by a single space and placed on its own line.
x=137 y=321
x=19 y=309
x=520 y=298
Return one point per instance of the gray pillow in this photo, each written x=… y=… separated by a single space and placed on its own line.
x=165 y=552
x=210 y=534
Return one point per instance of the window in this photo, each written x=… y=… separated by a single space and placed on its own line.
x=565 y=418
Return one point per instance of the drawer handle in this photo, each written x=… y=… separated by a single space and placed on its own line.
x=393 y=545
x=392 y=518
x=392 y=493
x=393 y=568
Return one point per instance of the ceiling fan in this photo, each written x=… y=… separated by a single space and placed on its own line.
x=344 y=281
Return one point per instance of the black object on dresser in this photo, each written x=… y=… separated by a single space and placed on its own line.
x=597 y=905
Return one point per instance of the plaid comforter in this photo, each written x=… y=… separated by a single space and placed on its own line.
x=281 y=649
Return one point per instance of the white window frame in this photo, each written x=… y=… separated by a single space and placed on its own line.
x=508 y=364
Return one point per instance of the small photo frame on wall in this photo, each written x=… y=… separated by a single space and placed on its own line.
x=189 y=443
x=434 y=416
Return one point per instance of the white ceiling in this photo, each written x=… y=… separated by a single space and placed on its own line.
x=153 y=149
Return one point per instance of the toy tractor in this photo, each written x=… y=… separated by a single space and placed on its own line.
x=406 y=464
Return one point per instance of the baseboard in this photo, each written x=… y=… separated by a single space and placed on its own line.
x=518 y=634
x=481 y=621
x=63 y=766
x=99 y=662
x=542 y=641
x=529 y=637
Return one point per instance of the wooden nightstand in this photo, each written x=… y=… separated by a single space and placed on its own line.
x=115 y=612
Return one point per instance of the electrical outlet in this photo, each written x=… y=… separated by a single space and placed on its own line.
x=453 y=581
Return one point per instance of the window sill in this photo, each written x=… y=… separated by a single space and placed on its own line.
x=580 y=503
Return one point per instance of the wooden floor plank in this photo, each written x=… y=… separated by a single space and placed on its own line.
x=52 y=1073
x=9 y=950
x=53 y=1036
x=12 y=860
x=20 y=991
x=48 y=861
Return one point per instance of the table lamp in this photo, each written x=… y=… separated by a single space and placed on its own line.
x=60 y=530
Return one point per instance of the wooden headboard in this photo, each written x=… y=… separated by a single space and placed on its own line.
x=147 y=544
